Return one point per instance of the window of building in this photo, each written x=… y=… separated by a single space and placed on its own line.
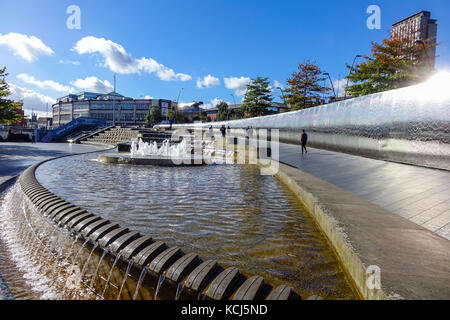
x=141 y=106
x=126 y=116
x=80 y=107
x=66 y=108
x=140 y=116
x=127 y=106
x=101 y=107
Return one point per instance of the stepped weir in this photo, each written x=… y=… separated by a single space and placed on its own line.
x=100 y=259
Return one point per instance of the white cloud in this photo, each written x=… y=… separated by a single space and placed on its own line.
x=93 y=84
x=119 y=61
x=208 y=82
x=239 y=85
x=31 y=99
x=214 y=103
x=28 y=48
x=46 y=84
x=40 y=114
x=207 y=106
x=278 y=85
x=339 y=86
x=182 y=105
x=148 y=97
x=75 y=63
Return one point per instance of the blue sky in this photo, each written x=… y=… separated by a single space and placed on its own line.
x=159 y=47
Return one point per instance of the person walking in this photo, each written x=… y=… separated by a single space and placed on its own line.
x=211 y=132
x=223 y=131
x=304 y=140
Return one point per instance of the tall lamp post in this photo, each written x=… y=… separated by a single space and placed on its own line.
x=353 y=65
x=332 y=86
x=114 y=103
x=233 y=100
x=178 y=99
x=282 y=95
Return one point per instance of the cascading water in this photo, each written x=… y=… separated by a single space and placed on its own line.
x=91 y=284
x=38 y=253
x=182 y=150
x=180 y=288
x=142 y=149
x=160 y=282
x=141 y=278
x=130 y=264
x=15 y=230
x=110 y=274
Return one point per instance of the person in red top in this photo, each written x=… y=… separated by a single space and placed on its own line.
x=304 y=140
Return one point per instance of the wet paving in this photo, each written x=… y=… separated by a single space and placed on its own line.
x=418 y=194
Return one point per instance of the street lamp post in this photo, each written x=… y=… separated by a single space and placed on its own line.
x=235 y=105
x=332 y=86
x=114 y=103
x=233 y=99
x=282 y=95
x=179 y=93
x=353 y=64
x=178 y=99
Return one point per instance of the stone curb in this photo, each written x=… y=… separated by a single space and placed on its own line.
x=414 y=262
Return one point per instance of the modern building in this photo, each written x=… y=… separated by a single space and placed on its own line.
x=416 y=28
x=276 y=107
x=44 y=122
x=125 y=110
x=190 y=110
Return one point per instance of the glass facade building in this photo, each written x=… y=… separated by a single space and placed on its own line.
x=125 y=110
x=420 y=27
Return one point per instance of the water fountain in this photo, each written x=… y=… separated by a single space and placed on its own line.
x=187 y=152
x=110 y=262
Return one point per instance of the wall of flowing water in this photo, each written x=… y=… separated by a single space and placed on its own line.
x=408 y=125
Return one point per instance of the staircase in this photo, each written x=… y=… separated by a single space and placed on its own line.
x=114 y=136
x=73 y=126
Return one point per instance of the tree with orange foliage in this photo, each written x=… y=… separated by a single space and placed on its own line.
x=395 y=63
x=305 y=86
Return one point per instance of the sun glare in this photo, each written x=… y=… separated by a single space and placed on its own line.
x=438 y=86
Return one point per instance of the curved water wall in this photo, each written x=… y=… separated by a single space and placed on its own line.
x=409 y=125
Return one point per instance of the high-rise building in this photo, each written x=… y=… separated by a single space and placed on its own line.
x=418 y=27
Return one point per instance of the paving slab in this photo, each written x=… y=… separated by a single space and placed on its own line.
x=413 y=261
x=16 y=157
x=405 y=190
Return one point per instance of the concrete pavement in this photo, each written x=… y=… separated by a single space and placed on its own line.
x=386 y=255
x=16 y=157
x=418 y=194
